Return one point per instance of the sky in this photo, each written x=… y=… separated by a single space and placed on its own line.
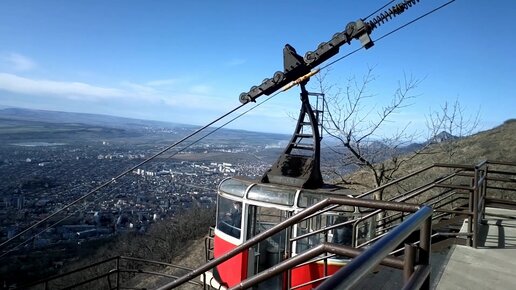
x=188 y=61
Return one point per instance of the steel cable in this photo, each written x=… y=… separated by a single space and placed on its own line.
x=127 y=171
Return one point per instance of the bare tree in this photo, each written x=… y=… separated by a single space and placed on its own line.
x=358 y=129
x=449 y=125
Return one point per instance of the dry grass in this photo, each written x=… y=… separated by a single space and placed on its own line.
x=497 y=144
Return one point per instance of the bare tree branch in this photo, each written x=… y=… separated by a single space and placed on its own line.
x=356 y=128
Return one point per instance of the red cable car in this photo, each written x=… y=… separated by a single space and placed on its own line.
x=247 y=207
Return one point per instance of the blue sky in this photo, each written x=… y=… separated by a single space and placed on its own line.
x=187 y=61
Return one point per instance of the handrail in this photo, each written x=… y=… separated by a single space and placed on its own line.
x=347 y=277
x=68 y=273
x=289 y=222
x=402 y=198
x=398 y=180
x=154 y=262
x=437 y=183
x=501 y=163
x=417 y=276
x=116 y=269
x=322 y=248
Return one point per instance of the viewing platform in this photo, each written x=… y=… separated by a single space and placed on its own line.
x=492 y=264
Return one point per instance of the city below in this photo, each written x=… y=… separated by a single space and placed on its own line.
x=46 y=166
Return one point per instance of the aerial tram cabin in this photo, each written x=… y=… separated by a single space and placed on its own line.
x=246 y=207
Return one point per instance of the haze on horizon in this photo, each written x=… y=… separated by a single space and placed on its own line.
x=188 y=62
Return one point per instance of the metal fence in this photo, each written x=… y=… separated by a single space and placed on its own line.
x=458 y=190
x=111 y=273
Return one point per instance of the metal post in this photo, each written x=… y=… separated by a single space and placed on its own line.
x=424 y=248
x=290 y=252
x=325 y=261
x=484 y=192
x=469 y=241
x=325 y=271
x=118 y=273
x=354 y=237
x=409 y=260
x=475 y=208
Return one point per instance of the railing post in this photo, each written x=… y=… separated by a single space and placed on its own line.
x=290 y=253
x=118 y=273
x=425 y=237
x=475 y=208
x=354 y=237
x=471 y=206
x=408 y=261
x=484 y=192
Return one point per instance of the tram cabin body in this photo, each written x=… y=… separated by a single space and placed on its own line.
x=246 y=208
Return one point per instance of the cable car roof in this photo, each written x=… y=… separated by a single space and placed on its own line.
x=253 y=190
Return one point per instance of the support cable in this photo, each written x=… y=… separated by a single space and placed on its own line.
x=105 y=184
x=52 y=225
x=133 y=168
x=389 y=33
x=414 y=20
x=379 y=9
x=122 y=174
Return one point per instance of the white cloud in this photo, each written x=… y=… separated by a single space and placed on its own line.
x=18 y=62
x=194 y=97
x=141 y=91
x=17 y=84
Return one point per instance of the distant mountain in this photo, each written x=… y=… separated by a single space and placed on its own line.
x=439 y=138
x=58 y=117
x=442 y=137
x=20 y=124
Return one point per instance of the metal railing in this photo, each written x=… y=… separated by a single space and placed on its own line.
x=112 y=272
x=416 y=272
x=465 y=185
x=462 y=190
x=316 y=209
x=449 y=189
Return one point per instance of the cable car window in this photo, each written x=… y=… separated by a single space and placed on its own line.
x=234 y=187
x=307 y=199
x=229 y=216
x=270 y=194
x=342 y=235
x=308 y=226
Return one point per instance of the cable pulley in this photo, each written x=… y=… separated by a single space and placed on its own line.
x=296 y=66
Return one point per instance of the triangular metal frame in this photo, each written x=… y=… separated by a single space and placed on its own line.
x=299 y=164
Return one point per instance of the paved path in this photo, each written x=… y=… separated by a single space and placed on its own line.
x=493 y=264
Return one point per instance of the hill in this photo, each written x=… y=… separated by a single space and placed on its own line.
x=497 y=144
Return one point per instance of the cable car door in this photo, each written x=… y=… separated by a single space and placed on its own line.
x=270 y=251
